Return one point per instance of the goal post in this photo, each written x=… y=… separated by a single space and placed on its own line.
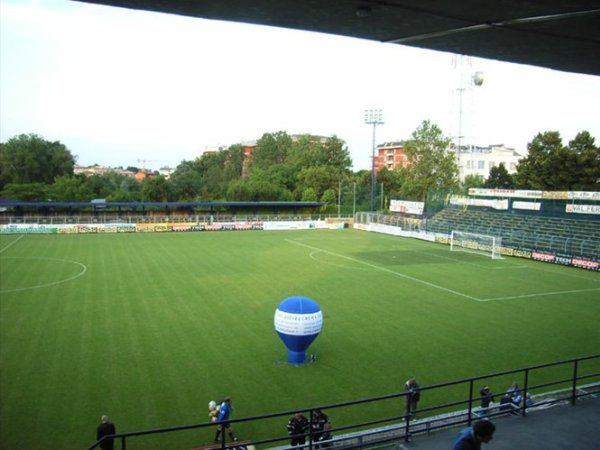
x=482 y=244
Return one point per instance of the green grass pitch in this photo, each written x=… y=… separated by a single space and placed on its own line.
x=148 y=328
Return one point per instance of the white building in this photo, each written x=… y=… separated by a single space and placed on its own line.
x=480 y=160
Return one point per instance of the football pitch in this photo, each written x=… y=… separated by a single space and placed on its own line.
x=148 y=328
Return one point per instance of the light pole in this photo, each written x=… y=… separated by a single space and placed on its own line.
x=373 y=117
x=475 y=79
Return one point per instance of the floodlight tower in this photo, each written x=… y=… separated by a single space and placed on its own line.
x=474 y=79
x=373 y=117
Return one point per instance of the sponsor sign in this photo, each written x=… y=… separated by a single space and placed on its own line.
x=581 y=195
x=481 y=192
x=522 y=253
x=459 y=200
x=27 y=229
x=84 y=229
x=181 y=228
x=531 y=206
x=583 y=209
x=407 y=207
x=555 y=195
x=298 y=324
x=295 y=225
x=564 y=260
x=541 y=256
x=586 y=263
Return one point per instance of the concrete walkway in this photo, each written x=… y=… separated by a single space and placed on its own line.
x=562 y=427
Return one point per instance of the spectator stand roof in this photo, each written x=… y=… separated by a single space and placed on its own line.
x=206 y=206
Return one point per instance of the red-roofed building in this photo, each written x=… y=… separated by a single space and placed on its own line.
x=390 y=155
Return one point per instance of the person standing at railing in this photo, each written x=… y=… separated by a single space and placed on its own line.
x=106 y=428
x=412 y=396
x=326 y=436
x=319 y=419
x=486 y=398
x=471 y=438
x=297 y=428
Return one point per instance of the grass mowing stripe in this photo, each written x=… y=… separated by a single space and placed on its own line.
x=383 y=269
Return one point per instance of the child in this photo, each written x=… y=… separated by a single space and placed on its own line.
x=213 y=411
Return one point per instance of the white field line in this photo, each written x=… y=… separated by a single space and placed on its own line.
x=322 y=261
x=54 y=283
x=448 y=258
x=538 y=295
x=435 y=286
x=11 y=243
x=383 y=269
x=566 y=274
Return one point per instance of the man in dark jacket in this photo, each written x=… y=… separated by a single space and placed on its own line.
x=297 y=428
x=412 y=396
x=106 y=428
x=319 y=419
x=471 y=438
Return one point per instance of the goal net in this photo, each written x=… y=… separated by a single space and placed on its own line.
x=475 y=243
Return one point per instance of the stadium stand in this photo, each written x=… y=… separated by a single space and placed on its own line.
x=541 y=233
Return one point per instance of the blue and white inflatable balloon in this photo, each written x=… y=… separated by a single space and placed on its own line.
x=298 y=321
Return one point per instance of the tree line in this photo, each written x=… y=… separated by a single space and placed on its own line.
x=282 y=168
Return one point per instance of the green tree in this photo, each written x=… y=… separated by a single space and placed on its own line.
x=336 y=154
x=156 y=189
x=472 y=181
x=499 y=178
x=122 y=188
x=309 y=151
x=26 y=192
x=186 y=181
x=431 y=167
x=330 y=198
x=68 y=188
x=28 y=158
x=100 y=186
x=550 y=165
x=208 y=177
x=256 y=189
x=309 y=195
x=392 y=181
x=535 y=170
x=233 y=163
x=587 y=169
x=271 y=149
x=319 y=178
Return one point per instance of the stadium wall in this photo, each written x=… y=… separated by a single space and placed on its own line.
x=160 y=227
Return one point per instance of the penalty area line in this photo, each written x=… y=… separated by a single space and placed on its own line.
x=383 y=269
x=541 y=294
x=10 y=244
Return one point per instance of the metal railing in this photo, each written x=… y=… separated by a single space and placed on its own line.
x=583 y=380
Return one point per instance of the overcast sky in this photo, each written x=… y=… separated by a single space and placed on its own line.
x=120 y=86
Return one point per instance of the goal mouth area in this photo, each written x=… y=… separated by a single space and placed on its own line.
x=481 y=244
